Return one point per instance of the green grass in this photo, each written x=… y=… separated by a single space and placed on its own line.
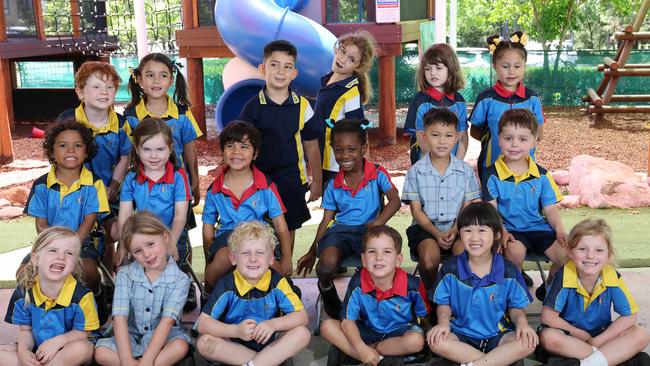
x=17 y=233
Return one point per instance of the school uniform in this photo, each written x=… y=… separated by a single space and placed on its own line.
x=520 y=200
x=354 y=207
x=259 y=201
x=235 y=299
x=421 y=103
x=490 y=105
x=479 y=305
x=144 y=304
x=73 y=309
x=281 y=157
x=380 y=315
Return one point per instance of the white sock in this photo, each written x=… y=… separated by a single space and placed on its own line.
x=467 y=364
x=249 y=363
x=596 y=358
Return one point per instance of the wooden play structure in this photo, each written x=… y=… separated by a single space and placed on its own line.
x=25 y=37
x=200 y=39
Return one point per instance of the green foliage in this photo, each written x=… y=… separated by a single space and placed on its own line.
x=212 y=71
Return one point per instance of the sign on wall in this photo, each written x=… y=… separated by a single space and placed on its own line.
x=387 y=11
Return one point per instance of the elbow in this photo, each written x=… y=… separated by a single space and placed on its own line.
x=303 y=318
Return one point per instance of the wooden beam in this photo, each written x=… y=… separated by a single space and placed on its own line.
x=38 y=20
x=195 y=87
x=623 y=98
x=595 y=98
x=628 y=72
x=3 y=24
x=636 y=36
x=620 y=109
x=205 y=52
x=6 y=145
x=8 y=69
x=431 y=9
x=387 y=125
x=75 y=15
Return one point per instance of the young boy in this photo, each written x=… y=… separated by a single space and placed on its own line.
x=240 y=323
x=240 y=193
x=437 y=187
x=288 y=134
x=525 y=195
x=383 y=304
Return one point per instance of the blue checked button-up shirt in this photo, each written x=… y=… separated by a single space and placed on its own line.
x=441 y=196
x=145 y=303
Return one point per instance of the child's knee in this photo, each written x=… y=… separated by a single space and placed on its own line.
x=80 y=351
x=550 y=339
x=441 y=348
x=329 y=327
x=207 y=345
x=302 y=336
x=413 y=342
x=640 y=336
x=327 y=266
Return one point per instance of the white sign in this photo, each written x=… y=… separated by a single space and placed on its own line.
x=387 y=11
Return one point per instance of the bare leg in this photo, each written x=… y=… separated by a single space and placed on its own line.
x=558 y=256
x=171 y=353
x=286 y=346
x=331 y=330
x=223 y=350
x=429 y=254
x=74 y=354
x=556 y=341
x=105 y=356
x=626 y=345
x=509 y=350
x=515 y=253
x=9 y=355
x=407 y=344
x=455 y=350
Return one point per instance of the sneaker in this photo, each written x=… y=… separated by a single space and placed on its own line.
x=190 y=304
x=442 y=362
x=103 y=311
x=391 y=361
x=540 y=293
x=527 y=279
x=640 y=359
x=331 y=301
x=334 y=356
x=562 y=361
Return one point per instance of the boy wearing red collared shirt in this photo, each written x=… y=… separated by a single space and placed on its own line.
x=383 y=307
x=240 y=193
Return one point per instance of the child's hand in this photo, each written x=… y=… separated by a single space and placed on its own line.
x=527 y=336
x=450 y=236
x=196 y=194
x=582 y=335
x=440 y=239
x=48 y=349
x=245 y=329
x=315 y=191
x=28 y=358
x=263 y=332
x=306 y=263
x=368 y=355
x=562 y=238
x=437 y=333
x=287 y=266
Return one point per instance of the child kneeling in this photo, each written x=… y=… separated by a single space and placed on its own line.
x=239 y=324
x=382 y=306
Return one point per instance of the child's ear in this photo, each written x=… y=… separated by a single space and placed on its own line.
x=398 y=260
x=79 y=93
x=364 y=149
x=232 y=258
x=261 y=68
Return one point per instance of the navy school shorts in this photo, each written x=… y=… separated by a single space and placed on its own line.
x=483 y=345
x=347 y=238
x=535 y=241
x=415 y=235
x=371 y=336
x=292 y=192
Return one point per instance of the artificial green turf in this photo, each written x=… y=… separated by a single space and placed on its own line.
x=17 y=233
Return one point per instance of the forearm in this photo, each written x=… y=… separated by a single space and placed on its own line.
x=552 y=318
x=126 y=210
x=25 y=339
x=208 y=236
x=313 y=157
x=120 y=169
x=552 y=214
x=518 y=316
x=443 y=312
x=322 y=227
x=180 y=218
x=208 y=325
x=423 y=221
x=352 y=334
x=424 y=148
x=290 y=321
x=86 y=226
x=475 y=132
x=192 y=163
x=618 y=326
x=122 y=342
x=41 y=224
x=463 y=142
x=158 y=339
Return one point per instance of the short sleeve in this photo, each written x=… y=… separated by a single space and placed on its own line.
x=17 y=312
x=472 y=190
x=442 y=290
x=419 y=115
x=550 y=192
x=210 y=214
x=409 y=123
x=556 y=297
x=383 y=178
x=36 y=205
x=410 y=191
x=419 y=301
x=181 y=186
x=624 y=303
x=176 y=296
x=518 y=296
x=329 y=202
x=122 y=294
x=462 y=116
x=479 y=113
x=190 y=130
x=97 y=200
x=352 y=106
x=128 y=187
x=125 y=143
x=286 y=298
x=275 y=205
x=311 y=130
x=352 y=304
x=536 y=107
x=219 y=299
x=247 y=112
x=85 y=317
x=490 y=189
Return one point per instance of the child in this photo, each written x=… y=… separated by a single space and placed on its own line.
x=242 y=321
x=54 y=312
x=155 y=184
x=382 y=305
x=439 y=79
x=474 y=291
x=149 y=297
x=344 y=91
x=525 y=195
x=576 y=318
x=70 y=195
x=436 y=188
x=509 y=63
x=353 y=200
x=240 y=193
x=289 y=133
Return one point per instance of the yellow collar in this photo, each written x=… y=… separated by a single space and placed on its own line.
x=142 y=112
x=504 y=172
x=64 y=298
x=608 y=278
x=243 y=286
x=85 y=178
x=112 y=124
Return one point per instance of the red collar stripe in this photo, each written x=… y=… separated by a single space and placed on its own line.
x=435 y=94
x=168 y=177
x=400 y=285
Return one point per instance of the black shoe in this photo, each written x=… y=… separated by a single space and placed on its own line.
x=103 y=310
x=540 y=293
x=527 y=279
x=640 y=359
x=391 y=361
x=334 y=356
x=442 y=362
x=331 y=301
x=190 y=304
x=562 y=361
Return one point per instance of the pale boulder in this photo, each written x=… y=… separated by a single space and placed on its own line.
x=10 y=212
x=602 y=183
x=16 y=195
x=570 y=201
x=561 y=177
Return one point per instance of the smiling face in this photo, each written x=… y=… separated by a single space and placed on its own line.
x=239 y=155
x=150 y=251
x=56 y=260
x=98 y=93
x=590 y=255
x=347 y=59
x=436 y=76
x=515 y=142
x=348 y=151
x=69 y=150
x=440 y=139
x=477 y=240
x=155 y=79
x=252 y=258
x=154 y=153
x=381 y=258
x=510 y=69
x=279 y=70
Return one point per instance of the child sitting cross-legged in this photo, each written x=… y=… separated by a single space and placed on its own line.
x=382 y=307
x=250 y=306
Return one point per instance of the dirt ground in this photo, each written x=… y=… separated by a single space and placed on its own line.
x=567 y=133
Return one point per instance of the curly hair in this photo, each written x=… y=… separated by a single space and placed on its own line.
x=68 y=125
x=253 y=230
x=357 y=126
x=365 y=42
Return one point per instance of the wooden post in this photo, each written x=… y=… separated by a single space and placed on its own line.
x=8 y=84
x=387 y=127
x=75 y=15
x=38 y=18
x=194 y=68
x=3 y=24
x=6 y=145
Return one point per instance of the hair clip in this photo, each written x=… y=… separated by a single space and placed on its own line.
x=365 y=124
x=329 y=122
x=492 y=48
x=516 y=39
x=177 y=64
x=132 y=71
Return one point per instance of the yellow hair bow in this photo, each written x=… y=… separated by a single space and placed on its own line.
x=493 y=46
x=516 y=39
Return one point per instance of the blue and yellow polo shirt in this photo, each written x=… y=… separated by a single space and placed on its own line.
x=479 y=305
x=235 y=299
x=66 y=206
x=73 y=309
x=179 y=118
x=385 y=311
x=357 y=206
x=257 y=202
x=422 y=103
x=160 y=196
x=589 y=312
x=490 y=105
x=520 y=199
x=283 y=128
x=112 y=141
x=336 y=101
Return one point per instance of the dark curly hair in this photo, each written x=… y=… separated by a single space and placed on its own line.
x=346 y=125
x=65 y=125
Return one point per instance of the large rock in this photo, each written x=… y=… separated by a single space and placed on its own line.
x=16 y=195
x=10 y=212
x=561 y=177
x=570 y=201
x=602 y=183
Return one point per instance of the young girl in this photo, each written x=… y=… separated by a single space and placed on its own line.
x=509 y=63
x=344 y=90
x=576 y=318
x=353 y=200
x=149 y=297
x=474 y=290
x=155 y=184
x=439 y=79
x=54 y=312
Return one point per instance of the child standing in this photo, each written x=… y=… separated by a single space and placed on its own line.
x=54 y=312
x=525 y=195
x=576 y=318
x=149 y=297
x=474 y=291
x=344 y=91
x=509 y=63
x=240 y=193
x=241 y=322
x=352 y=203
x=436 y=188
x=383 y=304
x=289 y=133
x=439 y=79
